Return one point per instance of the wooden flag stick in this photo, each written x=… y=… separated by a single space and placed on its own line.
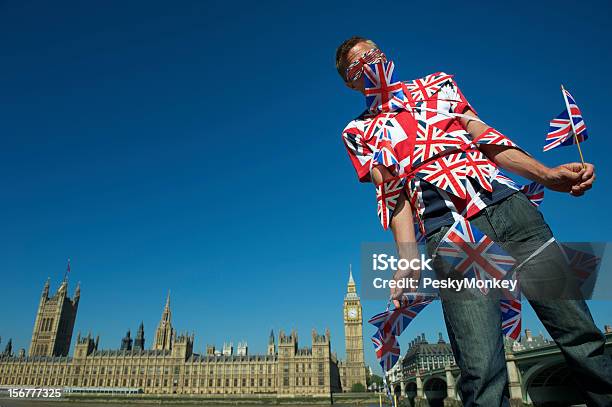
x=571 y=120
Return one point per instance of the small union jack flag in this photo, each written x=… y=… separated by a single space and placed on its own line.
x=478 y=167
x=502 y=178
x=468 y=207
x=447 y=173
x=383 y=91
x=473 y=253
x=425 y=87
x=581 y=263
x=511 y=317
x=395 y=321
x=384 y=153
x=492 y=136
x=387 y=194
x=535 y=192
x=387 y=349
x=387 y=388
x=430 y=140
x=561 y=131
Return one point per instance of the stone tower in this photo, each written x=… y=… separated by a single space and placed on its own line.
x=139 y=342
x=287 y=349
x=84 y=346
x=8 y=349
x=354 y=366
x=183 y=346
x=164 y=336
x=271 y=346
x=243 y=348
x=54 y=322
x=126 y=342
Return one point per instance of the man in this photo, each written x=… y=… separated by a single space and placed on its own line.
x=433 y=161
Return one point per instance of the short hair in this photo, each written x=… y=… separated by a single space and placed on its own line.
x=343 y=50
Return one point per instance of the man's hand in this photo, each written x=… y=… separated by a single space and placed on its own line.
x=397 y=294
x=572 y=178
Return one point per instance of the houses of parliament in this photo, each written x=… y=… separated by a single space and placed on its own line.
x=170 y=366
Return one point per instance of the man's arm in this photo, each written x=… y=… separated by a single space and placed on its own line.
x=572 y=177
x=403 y=233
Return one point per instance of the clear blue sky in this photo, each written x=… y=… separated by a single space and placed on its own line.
x=196 y=147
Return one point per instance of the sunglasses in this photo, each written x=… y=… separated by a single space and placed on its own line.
x=355 y=69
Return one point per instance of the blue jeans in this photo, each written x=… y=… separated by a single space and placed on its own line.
x=474 y=324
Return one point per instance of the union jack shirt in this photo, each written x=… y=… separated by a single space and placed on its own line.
x=432 y=155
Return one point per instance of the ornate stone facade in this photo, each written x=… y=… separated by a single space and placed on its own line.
x=54 y=322
x=171 y=367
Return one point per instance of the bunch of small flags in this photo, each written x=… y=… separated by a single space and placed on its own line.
x=390 y=324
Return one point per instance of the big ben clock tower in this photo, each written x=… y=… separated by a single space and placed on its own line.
x=354 y=370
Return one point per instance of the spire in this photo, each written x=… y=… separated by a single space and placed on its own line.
x=351 y=289
x=139 y=342
x=351 y=281
x=45 y=292
x=167 y=314
x=77 y=292
x=8 y=350
x=164 y=335
x=126 y=342
x=271 y=339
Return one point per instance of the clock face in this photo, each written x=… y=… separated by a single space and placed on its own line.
x=352 y=313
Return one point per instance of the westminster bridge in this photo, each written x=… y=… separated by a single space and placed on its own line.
x=536 y=376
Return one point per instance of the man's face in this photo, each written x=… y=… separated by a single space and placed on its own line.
x=354 y=54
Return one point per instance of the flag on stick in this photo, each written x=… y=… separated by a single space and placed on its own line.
x=568 y=127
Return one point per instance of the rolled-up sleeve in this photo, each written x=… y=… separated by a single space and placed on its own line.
x=359 y=152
